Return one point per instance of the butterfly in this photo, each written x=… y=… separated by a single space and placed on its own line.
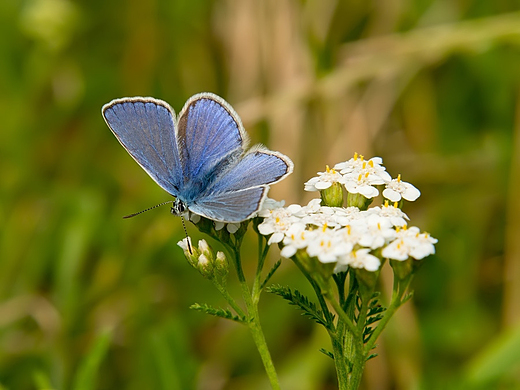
x=199 y=157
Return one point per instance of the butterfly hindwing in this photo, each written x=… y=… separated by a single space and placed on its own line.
x=146 y=129
x=259 y=167
x=235 y=206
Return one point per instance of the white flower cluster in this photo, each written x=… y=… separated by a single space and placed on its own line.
x=349 y=237
x=360 y=176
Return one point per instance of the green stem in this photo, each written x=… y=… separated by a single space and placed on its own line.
x=318 y=291
x=230 y=300
x=347 y=343
x=253 y=320
x=262 y=254
x=400 y=287
x=342 y=315
x=340 y=361
x=261 y=345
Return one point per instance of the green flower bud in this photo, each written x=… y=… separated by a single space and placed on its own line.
x=332 y=196
x=205 y=266
x=221 y=265
x=358 y=200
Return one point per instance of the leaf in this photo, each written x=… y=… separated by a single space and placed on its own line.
x=297 y=299
x=327 y=353
x=219 y=312
x=371 y=356
x=271 y=273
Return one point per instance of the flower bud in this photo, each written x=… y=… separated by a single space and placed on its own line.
x=332 y=196
x=190 y=252
x=205 y=249
x=358 y=200
x=221 y=265
x=205 y=266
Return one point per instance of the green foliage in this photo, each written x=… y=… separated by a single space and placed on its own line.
x=327 y=353
x=271 y=273
x=375 y=313
x=222 y=313
x=297 y=299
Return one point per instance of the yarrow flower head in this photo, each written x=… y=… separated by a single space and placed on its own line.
x=349 y=237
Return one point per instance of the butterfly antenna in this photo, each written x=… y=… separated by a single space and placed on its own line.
x=150 y=208
x=186 y=233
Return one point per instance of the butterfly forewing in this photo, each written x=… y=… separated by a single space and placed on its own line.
x=211 y=138
x=146 y=129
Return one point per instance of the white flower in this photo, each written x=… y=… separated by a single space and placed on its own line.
x=296 y=237
x=410 y=243
x=353 y=232
x=363 y=184
x=423 y=246
x=327 y=246
x=321 y=217
x=268 y=205
x=397 y=250
x=355 y=164
x=358 y=259
x=313 y=206
x=396 y=216
x=379 y=232
x=324 y=180
x=397 y=189
x=277 y=223
x=344 y=216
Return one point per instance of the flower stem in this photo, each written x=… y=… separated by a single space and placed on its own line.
x=253 y=320
x=258 y=336
x=230 y=300
x=342 y=315
x=400 y=287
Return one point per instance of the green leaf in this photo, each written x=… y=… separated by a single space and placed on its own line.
x=327 y=353
x=271 y=273
x=297 y=299
x=371 y=356
x=217 y=312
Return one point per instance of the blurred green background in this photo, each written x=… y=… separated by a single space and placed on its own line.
x=91 y=301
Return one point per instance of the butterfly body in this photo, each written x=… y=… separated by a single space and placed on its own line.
x=199 y=157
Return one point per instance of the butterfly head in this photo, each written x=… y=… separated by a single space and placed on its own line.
x=179 y=208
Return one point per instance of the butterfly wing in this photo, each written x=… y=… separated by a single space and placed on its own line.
x=235 y=206
x=146 y=129
x=211 y=138
x=239 y=191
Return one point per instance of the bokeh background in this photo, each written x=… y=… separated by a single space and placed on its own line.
x=91 y=301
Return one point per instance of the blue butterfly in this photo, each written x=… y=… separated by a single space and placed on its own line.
x=198 y=157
